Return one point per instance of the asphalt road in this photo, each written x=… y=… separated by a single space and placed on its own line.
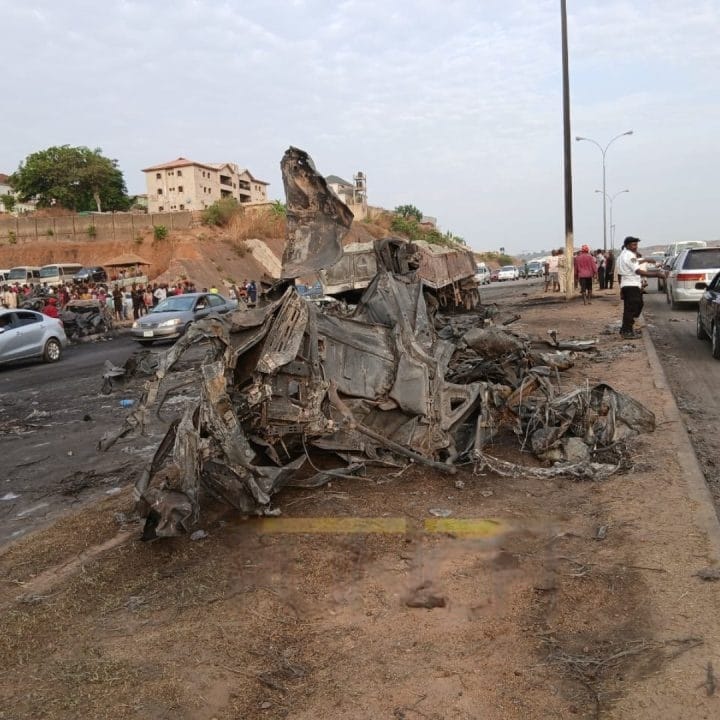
x=693 y=375
x=51 y=419
x=84 y=360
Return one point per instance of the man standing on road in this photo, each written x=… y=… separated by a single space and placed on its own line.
x=631 y=277
x=586 y=270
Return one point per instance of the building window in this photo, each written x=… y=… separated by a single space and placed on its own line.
x=159 y=191
x=182 y=207
x=180 y=188
x=161 y=208
x=179 y=173
x=158 y=176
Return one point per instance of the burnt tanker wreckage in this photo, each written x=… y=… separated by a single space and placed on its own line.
x=388 y=381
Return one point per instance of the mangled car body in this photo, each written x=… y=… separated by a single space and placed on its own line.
x=446 y=271
x=284 y=385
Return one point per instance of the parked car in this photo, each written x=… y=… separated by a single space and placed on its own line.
x=90 y=274
x=482 y=275
x=666 y=265
x=535 y=269
x=508 y=272
x=708 y=317
x=28 y=334
x=691 y=268
x=171 y=317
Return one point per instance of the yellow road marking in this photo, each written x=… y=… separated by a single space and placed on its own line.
x=460 y=527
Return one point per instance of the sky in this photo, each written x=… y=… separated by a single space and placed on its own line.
x=454 y=106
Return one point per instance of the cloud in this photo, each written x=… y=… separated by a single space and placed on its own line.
x=454 y=106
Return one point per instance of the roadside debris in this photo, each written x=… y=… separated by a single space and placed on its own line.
x=388 y=380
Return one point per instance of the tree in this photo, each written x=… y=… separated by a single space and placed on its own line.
x=409 y=211
x=75 y=178
x=8 y=202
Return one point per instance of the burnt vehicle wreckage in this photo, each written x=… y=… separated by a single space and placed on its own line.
x=388 y=381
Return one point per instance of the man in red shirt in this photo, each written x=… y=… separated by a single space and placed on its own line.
x=50 y=308
x=586 y=268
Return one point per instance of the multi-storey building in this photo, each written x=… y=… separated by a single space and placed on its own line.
x=183 y=184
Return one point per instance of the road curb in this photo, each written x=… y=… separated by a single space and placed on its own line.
x=698 y=491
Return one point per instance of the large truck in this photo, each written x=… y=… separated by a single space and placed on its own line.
x=447 y=271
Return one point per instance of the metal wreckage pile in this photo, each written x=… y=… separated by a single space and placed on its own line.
x=385 y=381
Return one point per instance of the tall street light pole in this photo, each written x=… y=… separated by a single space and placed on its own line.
x=567 y=153
x=604 y=150
x=612 y=227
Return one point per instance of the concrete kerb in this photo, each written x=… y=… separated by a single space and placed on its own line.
x=698 y=491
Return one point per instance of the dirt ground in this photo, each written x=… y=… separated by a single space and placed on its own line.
x=539 y=599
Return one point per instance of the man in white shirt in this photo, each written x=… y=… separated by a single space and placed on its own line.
x=160 y=293
x=631 y=277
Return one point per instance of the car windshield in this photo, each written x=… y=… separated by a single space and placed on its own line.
x=702 y=259
x=49 y=271
x=175 y=304
x=510 y=268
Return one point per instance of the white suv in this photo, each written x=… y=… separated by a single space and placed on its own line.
x=690 y=268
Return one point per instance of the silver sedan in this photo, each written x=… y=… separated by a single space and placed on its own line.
x=28 y=334
x=171 y=317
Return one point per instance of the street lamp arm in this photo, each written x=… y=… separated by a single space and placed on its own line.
x=617 y=137
x=619 y=192
x=594 y=142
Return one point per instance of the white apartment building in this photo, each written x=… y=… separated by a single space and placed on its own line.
x=183 y=184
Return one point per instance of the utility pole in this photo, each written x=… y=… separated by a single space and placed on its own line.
x=567 y=156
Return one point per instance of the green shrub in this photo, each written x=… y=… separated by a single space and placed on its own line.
x=279 y=209
x=160 y=232
x=12 y=237
x=239 y=248
x=50 y=232
x=220 y=212
x=91 y=231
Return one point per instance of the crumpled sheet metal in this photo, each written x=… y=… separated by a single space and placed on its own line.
x=343 y=384
x=317 y=220
x=288 y=380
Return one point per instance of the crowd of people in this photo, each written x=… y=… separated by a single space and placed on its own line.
x=121 y=302
x=588 y=268
x=601 y=268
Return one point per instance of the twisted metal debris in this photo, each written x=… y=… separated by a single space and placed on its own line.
x=387 y=381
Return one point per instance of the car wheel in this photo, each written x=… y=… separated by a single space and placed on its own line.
x=52 y=350
x=716 y=341
x=700 y=330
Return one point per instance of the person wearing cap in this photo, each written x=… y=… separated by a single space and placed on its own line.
x=50 y=308
x=631 y=277
x=586 y=268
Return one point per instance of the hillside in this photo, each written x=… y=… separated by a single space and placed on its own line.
x=250 y=246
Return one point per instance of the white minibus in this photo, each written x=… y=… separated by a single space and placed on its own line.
x=24 y=274
x=59 y=273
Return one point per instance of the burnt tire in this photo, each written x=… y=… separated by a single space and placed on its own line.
x=700 y=330
x=716 y=341
x=52 y=350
